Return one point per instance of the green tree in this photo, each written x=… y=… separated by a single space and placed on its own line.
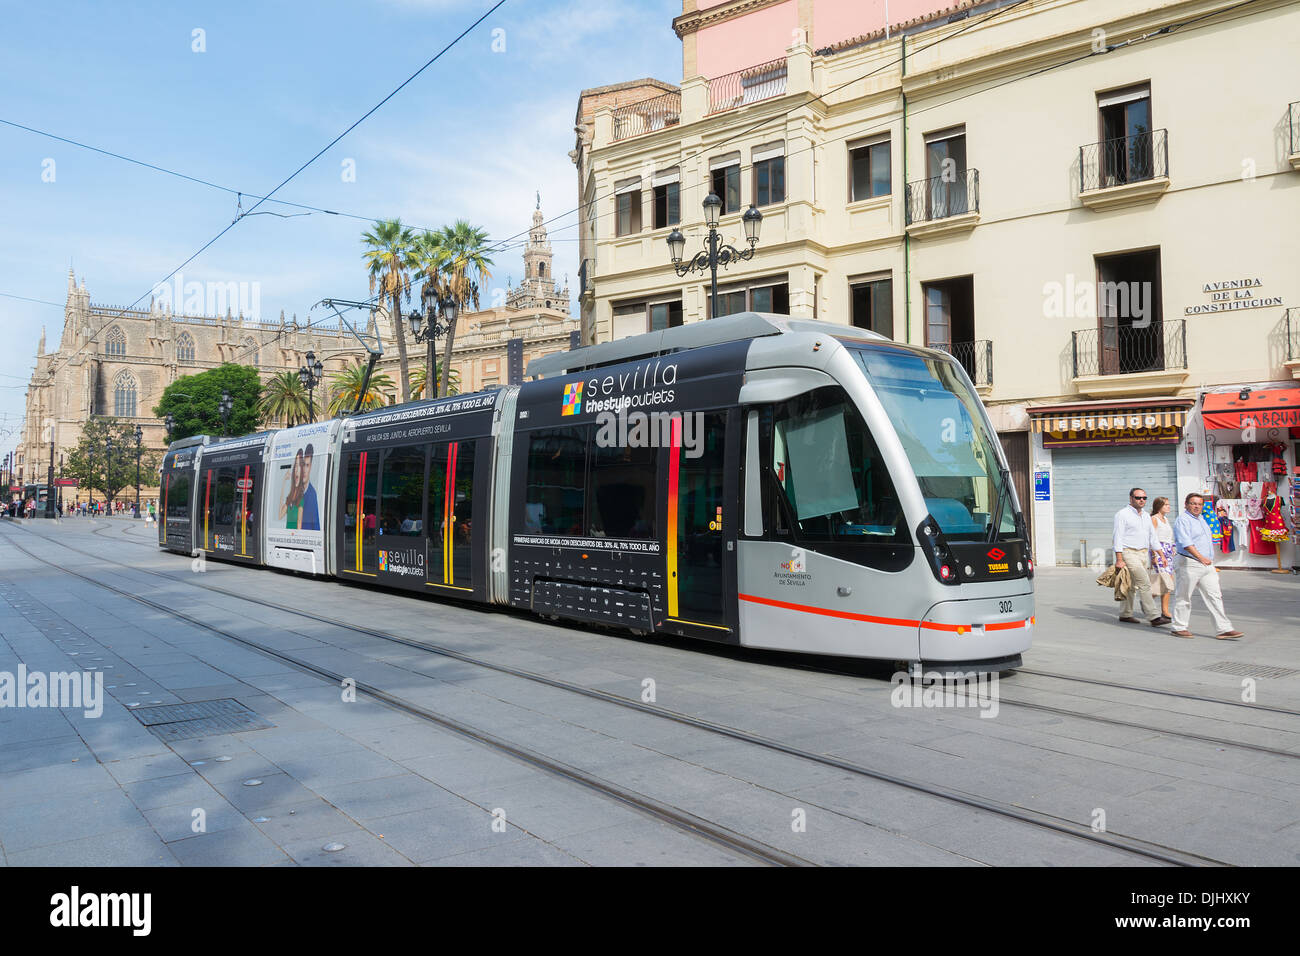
x=420 y=374
x=285 y=400
x=390 y=259
x=98 y=470
x=465 y=264
x=194 y=401
x=346 y=385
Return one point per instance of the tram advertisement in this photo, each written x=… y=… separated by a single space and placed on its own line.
x=296 y=484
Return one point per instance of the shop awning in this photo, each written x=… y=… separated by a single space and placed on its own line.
x=1262 y=407
x=1108 y=415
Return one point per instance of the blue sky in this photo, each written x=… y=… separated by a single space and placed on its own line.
x=475 y=136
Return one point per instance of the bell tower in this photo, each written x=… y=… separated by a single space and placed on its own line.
x=538 y=288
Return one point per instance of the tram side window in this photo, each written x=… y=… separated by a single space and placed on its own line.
x=826 y=474
x=555 y=483
x=223 y=512
x=178 y=496
x=401 y=508
x=622 y=486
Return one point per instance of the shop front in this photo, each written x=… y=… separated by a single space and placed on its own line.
x=1251 y=437
x=1086 y=457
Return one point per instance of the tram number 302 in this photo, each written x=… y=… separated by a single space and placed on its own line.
x=1004 y=607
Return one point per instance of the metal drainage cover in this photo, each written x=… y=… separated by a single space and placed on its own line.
x=200 y=719
x=1262 y=671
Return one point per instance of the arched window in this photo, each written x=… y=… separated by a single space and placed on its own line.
x=541 y=270
x=251 y=353
x=124 y=395
x=185 y=349
x=115 y=342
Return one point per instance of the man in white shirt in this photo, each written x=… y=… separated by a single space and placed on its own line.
x=1134 y=538
x=1194 y=570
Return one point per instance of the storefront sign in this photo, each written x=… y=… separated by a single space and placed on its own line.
x=1042 y=486
x=1111 y=426
x=1231 y=294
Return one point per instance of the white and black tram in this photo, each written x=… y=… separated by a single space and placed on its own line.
x=755 y=479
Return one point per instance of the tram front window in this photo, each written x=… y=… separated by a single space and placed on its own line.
x=942 y=429
x=827 y=468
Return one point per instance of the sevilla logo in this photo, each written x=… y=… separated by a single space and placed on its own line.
x=997 y=554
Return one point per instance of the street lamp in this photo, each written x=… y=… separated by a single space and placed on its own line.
x=310 y=376
x=139 y=434
x=428 y=328
x=60 y=484
x=715 y=253
x=49 y=488
x=108 y=475
x=226 y=407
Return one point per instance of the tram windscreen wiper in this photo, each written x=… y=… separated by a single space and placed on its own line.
x=1003 y=493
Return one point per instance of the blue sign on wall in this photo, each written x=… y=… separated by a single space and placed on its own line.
x=1042 y=486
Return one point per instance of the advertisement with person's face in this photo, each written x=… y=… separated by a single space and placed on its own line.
x=295 y=533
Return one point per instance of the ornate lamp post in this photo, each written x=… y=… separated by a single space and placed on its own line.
x=139 y=434
x=715 y=253
x=226 y=406
x=310 y=376
x=60 y=484
x=428 y=328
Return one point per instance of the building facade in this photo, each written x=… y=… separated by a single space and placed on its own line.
x=1050 y=190
x=117 y=362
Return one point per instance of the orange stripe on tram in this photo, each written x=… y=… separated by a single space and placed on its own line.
x=674 y=466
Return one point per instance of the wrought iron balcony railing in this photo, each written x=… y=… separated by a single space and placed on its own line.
x=975 y=357
x=1127 y=159
x=1125 y=349
x=1292 y=334
x=940 y=198
x=646 y=116
x=1293 y=114
x=749 y=85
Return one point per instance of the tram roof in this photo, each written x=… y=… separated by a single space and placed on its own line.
x=725 y=328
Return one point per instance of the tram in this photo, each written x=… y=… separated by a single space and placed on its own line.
x=755 y=479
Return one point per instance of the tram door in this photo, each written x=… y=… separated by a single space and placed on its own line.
x=701 y=521
x=450 y=515
x=360 y=518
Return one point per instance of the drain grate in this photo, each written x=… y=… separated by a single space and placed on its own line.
x=202 y=718
x=1261 y=671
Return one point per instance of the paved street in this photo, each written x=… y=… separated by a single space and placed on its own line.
x=394 y=788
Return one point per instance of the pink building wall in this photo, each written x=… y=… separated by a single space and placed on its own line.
x=767 y=33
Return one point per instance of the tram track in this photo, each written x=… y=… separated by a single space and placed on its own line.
x=1123 y=843
x=664 y=813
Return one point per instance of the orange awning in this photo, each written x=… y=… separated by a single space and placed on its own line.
x=1262 y=407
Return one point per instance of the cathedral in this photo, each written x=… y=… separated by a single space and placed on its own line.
x=116 y=362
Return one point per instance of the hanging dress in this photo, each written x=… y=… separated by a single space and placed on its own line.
x=1212 y=519
x=1225 y=542
x=1274 y=530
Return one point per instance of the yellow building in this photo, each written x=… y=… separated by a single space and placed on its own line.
x=1093 y=204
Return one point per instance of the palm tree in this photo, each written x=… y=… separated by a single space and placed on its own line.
x=285 y=400
x=465 y=250
x=346 y=385
x=420 y=375
x=389 y=256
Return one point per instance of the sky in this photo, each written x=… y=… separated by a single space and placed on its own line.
x=475 y=136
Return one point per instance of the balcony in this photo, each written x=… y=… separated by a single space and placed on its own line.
x=646 y=116
x=1124 y=171
x=1292 y=328
x=937 y=206
x=1293 y=129
x=750 y=85
x=1126 y=360
x=977 y=359
x=586 y=273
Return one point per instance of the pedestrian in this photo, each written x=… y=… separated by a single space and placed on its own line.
x=1134 y=538
x=1194 y=570
x=1162 y=558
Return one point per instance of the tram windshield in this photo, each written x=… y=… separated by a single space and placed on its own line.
x=943 y=432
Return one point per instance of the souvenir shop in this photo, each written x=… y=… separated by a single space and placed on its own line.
x=1251 y=439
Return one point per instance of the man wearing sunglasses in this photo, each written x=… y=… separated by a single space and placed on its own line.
x=1134 y=539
